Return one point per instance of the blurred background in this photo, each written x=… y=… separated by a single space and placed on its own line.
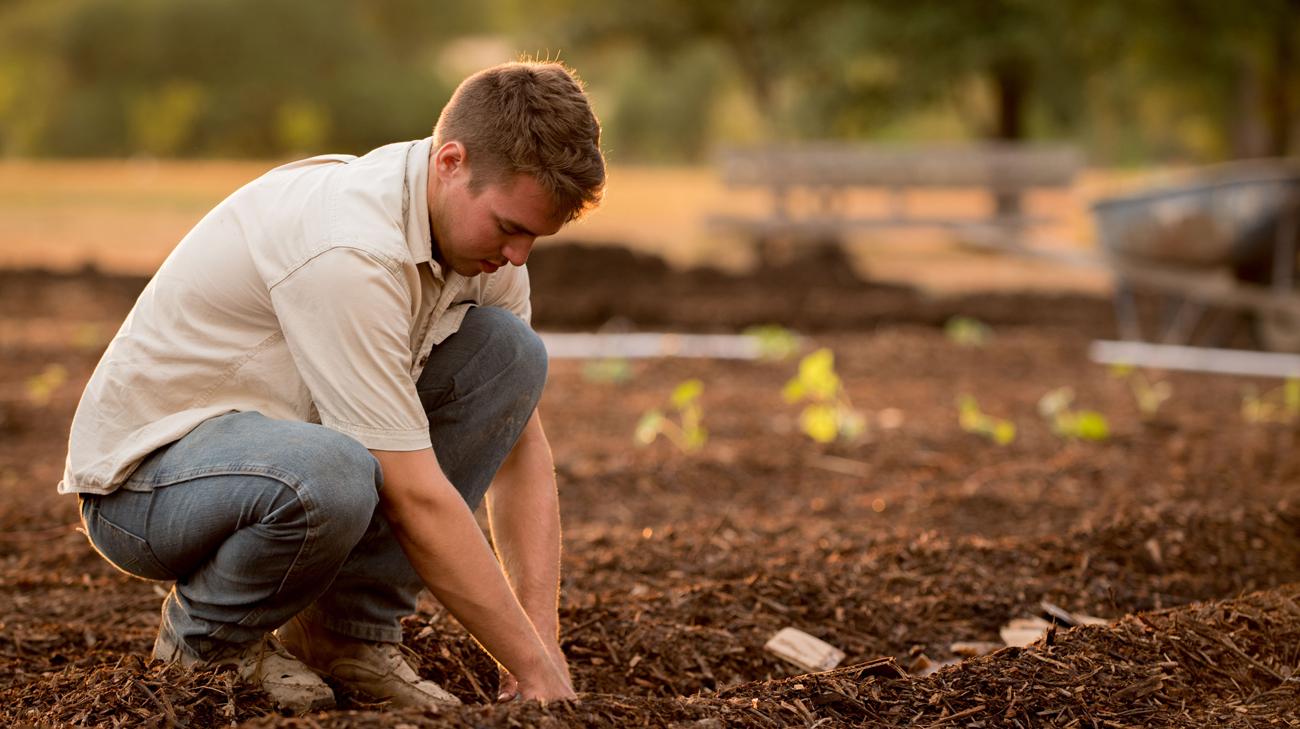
x=123 y=121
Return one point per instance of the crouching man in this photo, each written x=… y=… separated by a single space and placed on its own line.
x=316 y=389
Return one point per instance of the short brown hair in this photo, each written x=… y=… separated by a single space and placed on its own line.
x=528 y=117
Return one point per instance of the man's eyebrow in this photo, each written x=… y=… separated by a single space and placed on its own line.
x=512 y=224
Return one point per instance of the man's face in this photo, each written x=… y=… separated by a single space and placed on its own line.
x=480 y=232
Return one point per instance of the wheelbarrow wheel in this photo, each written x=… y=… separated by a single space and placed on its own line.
x=1278 y=330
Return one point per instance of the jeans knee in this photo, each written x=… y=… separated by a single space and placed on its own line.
x=340 y=487
x=515 y=345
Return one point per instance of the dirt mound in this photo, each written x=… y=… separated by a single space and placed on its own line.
x=586 y=287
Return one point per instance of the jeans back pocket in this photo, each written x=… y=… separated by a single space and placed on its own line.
x=124 y=550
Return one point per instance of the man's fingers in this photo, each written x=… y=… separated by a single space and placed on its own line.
x=509 y=687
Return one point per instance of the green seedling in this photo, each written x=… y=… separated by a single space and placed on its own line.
x=612 y=370
x=1278 y=405
x=775 y=342
x=1149 y=394
x=829 y=414
x=973 y=420
x=1068 y=422
x=41 y=387
x=687 y=431
x=966 y=332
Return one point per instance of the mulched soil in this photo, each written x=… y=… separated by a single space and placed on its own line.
x=1183 y=530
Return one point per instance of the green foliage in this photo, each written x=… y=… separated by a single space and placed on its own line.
x=672 y=79
x=829 y=414
x=966 y=332
x=687 y=430
x=973 y=420
x=1067 y=422
x=995 y=60
x=1278 y=405
x=775 y=342
x=1219 y=79
x=659 y=107
x=301 y=125
x=162 y=121
x=1149 y=394
x=216 y=77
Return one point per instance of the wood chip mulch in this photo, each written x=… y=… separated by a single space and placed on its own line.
x=1230 y=663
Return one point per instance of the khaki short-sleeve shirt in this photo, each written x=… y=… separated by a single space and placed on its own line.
x=309 y=294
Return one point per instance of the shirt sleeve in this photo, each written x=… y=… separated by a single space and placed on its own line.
x=509 y=289
x=346 y=320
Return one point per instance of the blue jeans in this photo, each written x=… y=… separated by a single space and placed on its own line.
x=258 y=520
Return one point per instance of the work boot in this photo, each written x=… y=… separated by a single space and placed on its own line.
x=265 y=663
x=372 y=669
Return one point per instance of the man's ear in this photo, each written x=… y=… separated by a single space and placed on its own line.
x=449 y=160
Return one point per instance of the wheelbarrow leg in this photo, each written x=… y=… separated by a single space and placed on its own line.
x=1288 y=227
x=1181 y=326
x=1223 y=326
x=1126 y=314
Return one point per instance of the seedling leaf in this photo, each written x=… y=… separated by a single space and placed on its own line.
x=793 y=391
x=695 y=438
x=1055 y=402
x=615 y=370
x=647 y=428
x=41 y=387
x=1091 y=425
x=972 y=420
x=967 y=332
x=775 y=342
x=686 y=393
x=1004 y=432
x=819 y=422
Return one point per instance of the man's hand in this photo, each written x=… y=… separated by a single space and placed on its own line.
x=529 y=689
x=509 y=685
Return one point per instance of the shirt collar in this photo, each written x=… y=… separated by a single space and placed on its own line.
x=418 y=236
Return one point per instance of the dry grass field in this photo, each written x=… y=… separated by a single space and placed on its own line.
x=125 y=215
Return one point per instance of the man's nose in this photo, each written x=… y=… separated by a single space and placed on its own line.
x=516 y=250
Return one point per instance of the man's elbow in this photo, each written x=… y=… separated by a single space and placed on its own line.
x=410 y=508
x=414 y=485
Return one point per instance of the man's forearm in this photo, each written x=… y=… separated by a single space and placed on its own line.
x=524 y=513
x=449 y=552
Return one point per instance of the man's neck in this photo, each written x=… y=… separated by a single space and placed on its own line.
x=434 y=251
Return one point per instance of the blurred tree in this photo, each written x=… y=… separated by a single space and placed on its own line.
x=412 y=28
x=1198 y=78
x=301 y=126
x=828 y=68
x=1022 y=51
x=201 y=77
x=1237 y=64
x=161 y=121
x=660 y=106
x=764 y=40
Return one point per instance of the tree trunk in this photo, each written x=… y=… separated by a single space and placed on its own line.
x=1250 y=130
x=1011 y=84
x=1279 y=109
